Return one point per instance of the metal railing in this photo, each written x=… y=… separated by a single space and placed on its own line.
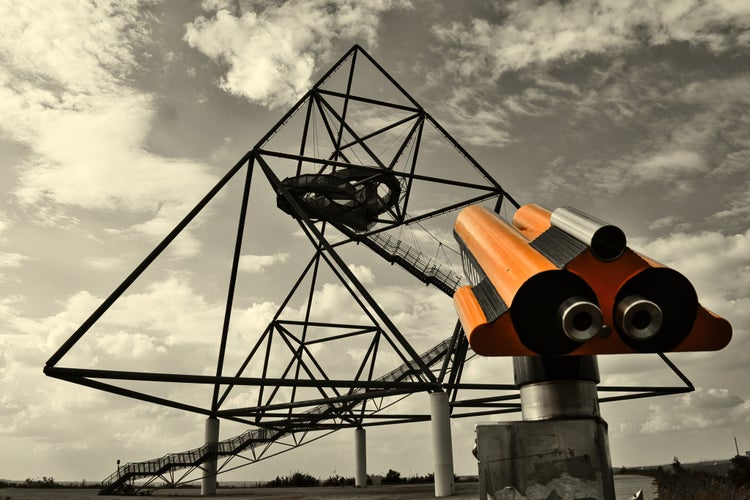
x=418 y=264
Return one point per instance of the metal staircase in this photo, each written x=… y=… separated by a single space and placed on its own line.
x=418 y=264
x=250 y=439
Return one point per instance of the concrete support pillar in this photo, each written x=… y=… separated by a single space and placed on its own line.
x=208 y=481
x=360 y=459
x=442 y=445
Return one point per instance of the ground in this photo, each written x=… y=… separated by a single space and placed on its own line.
x=624 y=487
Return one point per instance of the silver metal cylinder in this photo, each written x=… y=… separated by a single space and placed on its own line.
x=559 y=399
x=581 y=320
x=607 y=242
x=638 y=318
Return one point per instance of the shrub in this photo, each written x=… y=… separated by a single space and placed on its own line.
x=740 y=471
x=44 y=482
x=392 y=477
x=296 y=479
x=689 y=484
x=337 y=480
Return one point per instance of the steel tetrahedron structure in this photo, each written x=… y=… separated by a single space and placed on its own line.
x=354 y=162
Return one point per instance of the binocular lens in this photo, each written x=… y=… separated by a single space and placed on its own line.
x=581 y=320
x=639 y=318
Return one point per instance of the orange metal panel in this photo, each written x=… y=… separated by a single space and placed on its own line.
x=469 y=311
x=498 y=338
x=500 y=249
x=709 y=333
x=532 y=220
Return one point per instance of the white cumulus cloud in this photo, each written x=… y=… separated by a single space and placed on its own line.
x=544 y=32
x=64 y=93
x=257 y=263
x=363 y=273
x=272 y=50
x=702 y=409
x=11 y=259
x=718 y=265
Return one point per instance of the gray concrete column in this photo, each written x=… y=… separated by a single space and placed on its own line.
x=442 y=445
x=360 y=459
x=208 y=481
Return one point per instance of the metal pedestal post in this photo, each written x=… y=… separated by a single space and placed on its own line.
x=557 y=387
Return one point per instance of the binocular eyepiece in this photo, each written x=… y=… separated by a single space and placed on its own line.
x=638 y=318
x=581 y=320
x=560 y=304
x=654 y=310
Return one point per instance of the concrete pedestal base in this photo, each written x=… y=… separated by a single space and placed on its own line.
x=560 y=458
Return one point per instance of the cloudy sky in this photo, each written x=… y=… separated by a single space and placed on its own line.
x=116 y=117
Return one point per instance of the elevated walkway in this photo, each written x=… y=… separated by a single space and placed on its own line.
x=422 y=267
x=249 y=439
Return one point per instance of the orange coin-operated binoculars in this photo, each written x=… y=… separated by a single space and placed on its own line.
x=565 y=283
